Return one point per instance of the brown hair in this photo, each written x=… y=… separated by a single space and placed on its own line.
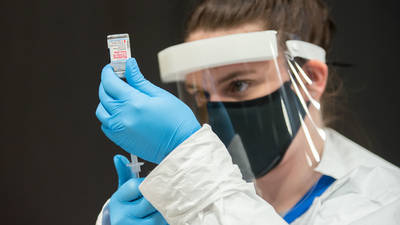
x=307 y=20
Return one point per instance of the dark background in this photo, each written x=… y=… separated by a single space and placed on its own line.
x=56 y=165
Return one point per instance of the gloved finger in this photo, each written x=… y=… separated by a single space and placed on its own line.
x=142 y=207
x=124 y=216
x=114 y=86
x=122 y=168
x=103 y=95
x=154 y=219
x=107 y=101
x=102 y=114
x=136 y=79
x=129 y=191
x=108 y=131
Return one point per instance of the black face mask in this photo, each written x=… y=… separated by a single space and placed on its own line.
x=257 y=133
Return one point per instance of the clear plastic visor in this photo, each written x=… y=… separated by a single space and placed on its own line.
x=262 y=110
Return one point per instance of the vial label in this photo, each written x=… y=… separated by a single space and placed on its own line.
x=120 y=51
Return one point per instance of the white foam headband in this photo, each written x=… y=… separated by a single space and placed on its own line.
x=305 y=50
x=177 y=61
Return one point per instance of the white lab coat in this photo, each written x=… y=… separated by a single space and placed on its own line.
x=198 y=184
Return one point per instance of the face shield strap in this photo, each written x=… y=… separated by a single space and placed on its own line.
x=259 y=131
x=305 y=50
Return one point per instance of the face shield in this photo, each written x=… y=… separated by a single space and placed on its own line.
x=251 y=89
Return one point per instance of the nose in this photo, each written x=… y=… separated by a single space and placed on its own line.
x=215 y=97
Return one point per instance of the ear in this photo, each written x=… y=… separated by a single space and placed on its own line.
x=317 y=71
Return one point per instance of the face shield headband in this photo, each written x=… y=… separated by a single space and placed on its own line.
x=177 y=61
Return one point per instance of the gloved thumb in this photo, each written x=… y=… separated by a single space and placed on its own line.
x=122 y=168
x=136 y=79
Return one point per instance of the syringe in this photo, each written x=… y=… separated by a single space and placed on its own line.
x=135 y=166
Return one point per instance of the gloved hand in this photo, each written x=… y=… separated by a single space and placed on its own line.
x=127 y=205
x=140 y=117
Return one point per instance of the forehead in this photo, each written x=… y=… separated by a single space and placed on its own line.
x=204 y=34
x=251 y=70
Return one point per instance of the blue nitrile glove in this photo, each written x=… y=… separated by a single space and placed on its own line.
x=127 y=206
x=140 y=117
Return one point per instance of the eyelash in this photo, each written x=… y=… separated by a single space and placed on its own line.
x=232 y=90
x=233 y=85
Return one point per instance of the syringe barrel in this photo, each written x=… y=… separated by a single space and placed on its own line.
x=135 y=166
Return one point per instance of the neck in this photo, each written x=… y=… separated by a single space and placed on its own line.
x=286 y=184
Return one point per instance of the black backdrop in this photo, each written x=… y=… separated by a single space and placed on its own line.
x=56 y=165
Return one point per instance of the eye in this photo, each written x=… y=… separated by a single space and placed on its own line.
x=239 y=86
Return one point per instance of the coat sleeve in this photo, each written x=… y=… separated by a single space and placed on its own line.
x=99 y=220
x=197 y=183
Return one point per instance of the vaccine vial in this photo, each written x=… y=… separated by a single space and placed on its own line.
x=120 y=51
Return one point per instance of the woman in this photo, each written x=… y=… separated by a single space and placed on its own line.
x=255 y=72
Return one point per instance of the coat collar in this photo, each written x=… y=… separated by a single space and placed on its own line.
x=341 y=155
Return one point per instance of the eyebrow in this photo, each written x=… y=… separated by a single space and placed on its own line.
x=230 y=76
x=233 y=75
